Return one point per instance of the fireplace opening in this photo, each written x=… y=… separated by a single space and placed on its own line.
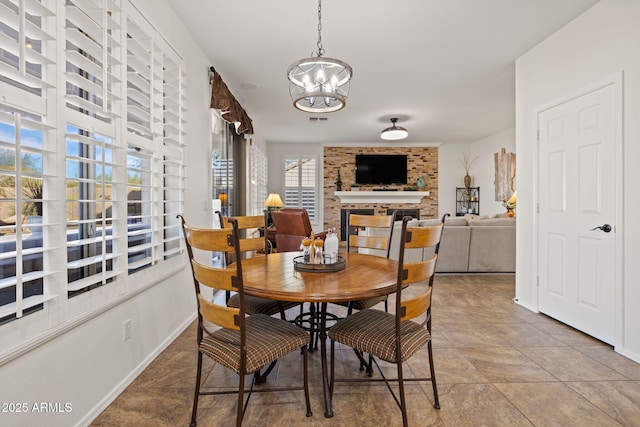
x=401 y=213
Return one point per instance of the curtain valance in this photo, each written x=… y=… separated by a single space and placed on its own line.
x=232 y=112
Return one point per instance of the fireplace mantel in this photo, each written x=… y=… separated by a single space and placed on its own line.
x=377 y=197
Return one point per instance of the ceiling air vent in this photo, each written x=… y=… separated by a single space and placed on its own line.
x=318 y=119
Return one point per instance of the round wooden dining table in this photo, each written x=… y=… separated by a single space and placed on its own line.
x=364 y=276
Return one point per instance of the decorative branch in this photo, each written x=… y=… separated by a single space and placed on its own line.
x=467 y=162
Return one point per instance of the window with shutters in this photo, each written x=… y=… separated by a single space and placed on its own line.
x=174 y=121
x=258 y=188
x=139 y=208
x=92 y=75
x=156 y=119
x=22 y=207
x=90 y=203
x=144 y=115
x=222 y=176
x=301 y=183
x=91 y=172
x=27 y=52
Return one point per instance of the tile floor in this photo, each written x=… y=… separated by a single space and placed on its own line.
x=497 y=364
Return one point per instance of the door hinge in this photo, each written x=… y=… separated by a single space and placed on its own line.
x=538 y=135
x=537 y=207
x=537 y=280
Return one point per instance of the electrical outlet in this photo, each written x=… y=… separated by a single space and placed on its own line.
x=126 y=329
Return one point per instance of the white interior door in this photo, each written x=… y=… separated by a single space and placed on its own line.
x=577 y=192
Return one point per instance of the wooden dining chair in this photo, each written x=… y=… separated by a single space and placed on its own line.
x=396 y=337
x=374 y=244
x=251 y=245
x=241 y=343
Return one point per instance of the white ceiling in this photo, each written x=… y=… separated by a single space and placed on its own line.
x=444 y=67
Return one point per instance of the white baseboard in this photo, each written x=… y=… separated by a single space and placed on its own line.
x=527 y=306
x=629 y=354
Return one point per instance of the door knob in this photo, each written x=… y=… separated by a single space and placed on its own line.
x=606 y=228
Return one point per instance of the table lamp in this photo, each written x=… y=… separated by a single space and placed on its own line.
x=273 y=202
x=511 y=204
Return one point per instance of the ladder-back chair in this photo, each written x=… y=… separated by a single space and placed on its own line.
x=396 y=337
x=251 y=245
x=241 y=343
x=375 y=244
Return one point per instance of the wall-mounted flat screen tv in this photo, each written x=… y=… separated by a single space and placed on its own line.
x=381 y=169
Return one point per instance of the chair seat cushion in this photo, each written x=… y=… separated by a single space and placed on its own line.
x=373 y=331
x=257 y=305
x=268 y=339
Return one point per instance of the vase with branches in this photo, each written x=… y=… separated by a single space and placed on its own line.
x=467 y=161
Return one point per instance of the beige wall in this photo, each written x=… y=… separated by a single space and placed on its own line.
x=420 y=161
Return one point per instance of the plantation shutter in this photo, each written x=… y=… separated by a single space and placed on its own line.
x=156 y=119
x=92 y=71
x=26 y=29
x=27 y=48
x=93 y=181
x=22 y=258
x=174 y=121
x=92 y=130
x=144 y=129
x=300 y=177
x=90 y=206
x=258 y=190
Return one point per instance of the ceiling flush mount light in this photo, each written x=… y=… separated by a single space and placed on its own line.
x=394 y=132
x=318 y=84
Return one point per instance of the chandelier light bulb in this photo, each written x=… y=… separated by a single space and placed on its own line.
x=321 y=77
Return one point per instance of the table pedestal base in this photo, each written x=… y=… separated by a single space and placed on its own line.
x=311 y=322
x=328 y=405
x=315 y=321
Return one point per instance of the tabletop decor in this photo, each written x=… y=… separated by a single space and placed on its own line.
x=299 y=264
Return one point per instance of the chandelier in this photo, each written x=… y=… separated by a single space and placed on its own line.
x=319 y=84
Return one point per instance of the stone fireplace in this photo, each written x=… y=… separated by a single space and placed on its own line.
x=421 y=161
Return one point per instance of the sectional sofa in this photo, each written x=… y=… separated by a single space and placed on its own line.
x=470 y=244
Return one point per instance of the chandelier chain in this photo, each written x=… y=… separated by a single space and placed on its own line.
x=320 y=48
